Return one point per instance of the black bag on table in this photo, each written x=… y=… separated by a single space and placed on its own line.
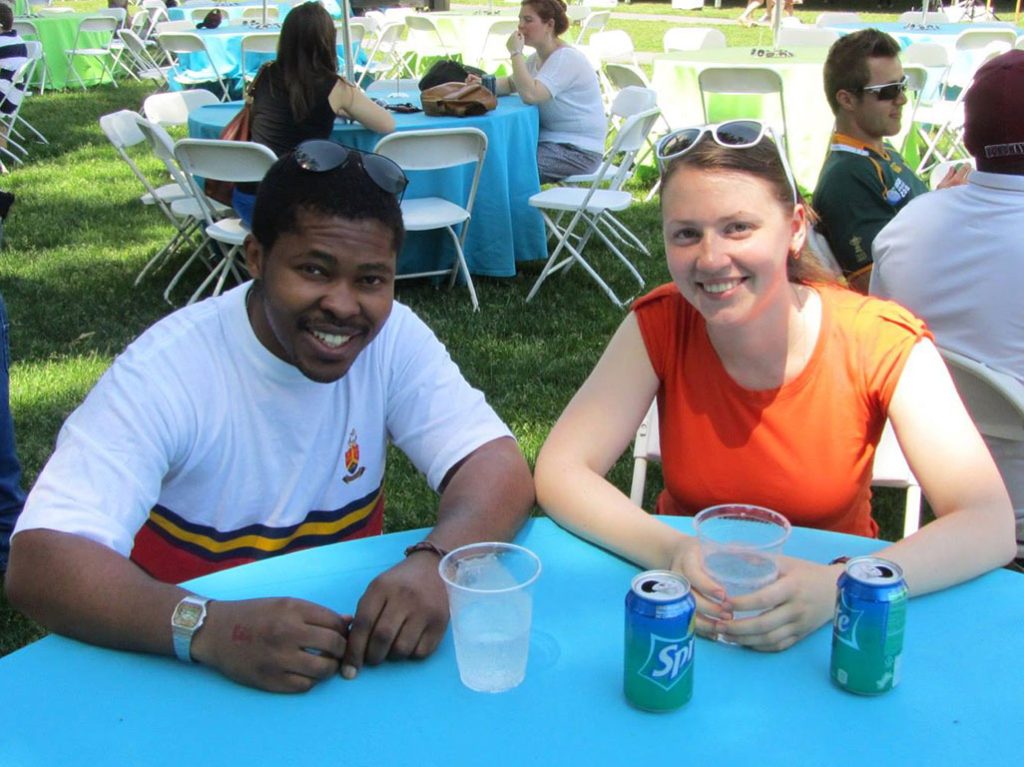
x=447 y=71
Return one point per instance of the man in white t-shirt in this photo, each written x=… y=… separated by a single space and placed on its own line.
x=257 y=423
x=953 y=257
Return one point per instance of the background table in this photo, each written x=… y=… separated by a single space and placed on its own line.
x=809 y=116
x=960 y=701
x=504 y=229
x=57 y=34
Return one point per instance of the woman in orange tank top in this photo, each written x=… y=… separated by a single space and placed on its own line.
x=773 y=385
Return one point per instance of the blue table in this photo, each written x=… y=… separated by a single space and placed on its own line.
x=234 y=10
x=504 y=230
x=960 y=703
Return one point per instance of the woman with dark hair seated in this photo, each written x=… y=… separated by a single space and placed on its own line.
x=297 y=96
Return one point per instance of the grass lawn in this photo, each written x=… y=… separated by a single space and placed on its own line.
x=78 y=236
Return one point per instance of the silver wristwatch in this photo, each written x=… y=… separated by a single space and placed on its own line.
x=186 y=620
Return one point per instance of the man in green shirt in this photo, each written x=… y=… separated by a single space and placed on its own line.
x=865 y=182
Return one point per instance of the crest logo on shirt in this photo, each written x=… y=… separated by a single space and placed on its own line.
x=355 y=471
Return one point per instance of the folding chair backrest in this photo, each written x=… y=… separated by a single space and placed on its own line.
x=181 y=42
x=173 y=108
x=25 y=28
x=238 y=161
x=976 y=39
x=256 y=12
x=692 y=39
x=436 y=149
x=167 y=27
x=806 y=37
x=198 y=13
x=423 y=32
x=162 y=146
x=260 y=43
x=494 y=40
x=634 y=130
x=625 y=76
x=594 y=22
x=828 y=18
x=743 y=81
x=994 y=399
x=105 y=25
x=356 y=33
x=632 y=100
x=115 y=13
x=138 y=50
x=930 y=17
x=890 y=469
x=613 y=45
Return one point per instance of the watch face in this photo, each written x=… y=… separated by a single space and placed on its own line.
x=187 y=615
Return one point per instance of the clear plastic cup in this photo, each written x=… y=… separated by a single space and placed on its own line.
x=491 y=606
x=740 y=545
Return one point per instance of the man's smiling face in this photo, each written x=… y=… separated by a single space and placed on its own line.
x=324 y=291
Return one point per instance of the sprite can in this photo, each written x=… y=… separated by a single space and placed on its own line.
x=867 y=633
x=658 y=662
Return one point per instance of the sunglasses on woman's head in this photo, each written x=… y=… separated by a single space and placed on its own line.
x=322 y=156
x=734 y=134
x=887 y=91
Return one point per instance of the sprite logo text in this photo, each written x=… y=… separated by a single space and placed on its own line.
x=846 y=623
x=667 y=661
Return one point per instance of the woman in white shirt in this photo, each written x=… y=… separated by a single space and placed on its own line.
x=561 y=82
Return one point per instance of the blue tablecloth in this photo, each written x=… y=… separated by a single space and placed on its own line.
x=504 y=229
x=959 y=703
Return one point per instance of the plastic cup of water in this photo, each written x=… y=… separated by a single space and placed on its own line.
x=491 y=607
x=740 y=545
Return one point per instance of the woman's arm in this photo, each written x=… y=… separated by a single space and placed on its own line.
x=348 y=100
x=522 y=82
x=973 y=532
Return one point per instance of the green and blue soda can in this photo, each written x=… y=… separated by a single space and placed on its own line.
x=658 y=664
x=867 y=633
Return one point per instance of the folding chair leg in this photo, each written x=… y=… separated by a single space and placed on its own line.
x=461 y=265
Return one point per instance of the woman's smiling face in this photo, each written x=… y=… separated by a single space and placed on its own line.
x=727 y=241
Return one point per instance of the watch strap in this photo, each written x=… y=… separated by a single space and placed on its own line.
x=182 y=636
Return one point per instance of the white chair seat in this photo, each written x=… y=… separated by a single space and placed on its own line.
x=430 y=213
x=572 y=199
x=228 y=230
x=167 y=193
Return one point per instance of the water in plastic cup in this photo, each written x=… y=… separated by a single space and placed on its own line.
x=740 y=545
x=491 y=607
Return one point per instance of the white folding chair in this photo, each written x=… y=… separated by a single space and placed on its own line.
x=13 y=97
x=397 y=85
x=613 y=45
x=260 y=44
x=173 y=108
x=178 y=25
x=255 y=13
x=890 y=468
x=21 y=81
x=754 y=81
x=176 y=44
x=595 y=21
x=435 y=150
x=386 y=56
x=828 y=18
x=493 y=50
x=819 y=246
x=692 y=39
x=805 y=37
x=104 y=27
x=974 y=47
x=930 y=17
x=194 y=206
x=28 y=31
x=145 y=66
x=587 y=205
x=425 y=39
x=237 y=161
x=994 y=399
x=197 y=13
x=121 y=128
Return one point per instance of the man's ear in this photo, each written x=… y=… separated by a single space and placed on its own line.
x=847 y=100
x=254 y=256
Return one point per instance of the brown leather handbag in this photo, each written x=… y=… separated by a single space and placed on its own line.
x=457 y=100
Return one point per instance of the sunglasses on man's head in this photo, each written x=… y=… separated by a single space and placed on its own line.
x=734 y=134
x=322 y=156
x=887 y=91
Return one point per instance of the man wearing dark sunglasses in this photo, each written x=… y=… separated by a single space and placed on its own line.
x=864 y=181
x=258 y=423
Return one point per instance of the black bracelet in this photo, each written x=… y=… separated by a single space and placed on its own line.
x=426 y=546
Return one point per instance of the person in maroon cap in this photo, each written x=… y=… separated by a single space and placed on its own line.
x=953 y=257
